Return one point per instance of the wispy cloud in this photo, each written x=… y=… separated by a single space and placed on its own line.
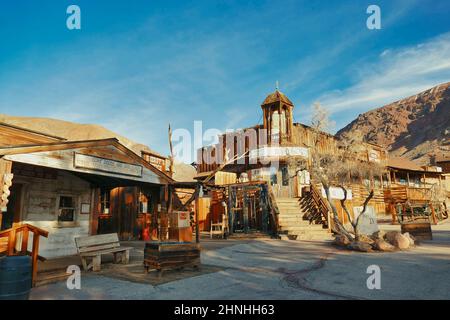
x=397 y=74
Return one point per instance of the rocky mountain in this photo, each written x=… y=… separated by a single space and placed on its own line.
x=416 y=128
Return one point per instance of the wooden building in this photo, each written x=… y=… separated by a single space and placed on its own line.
x=79 y=188
x=443 y=161
x=292 y=146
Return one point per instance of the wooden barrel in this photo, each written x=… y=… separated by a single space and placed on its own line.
x=15 y=277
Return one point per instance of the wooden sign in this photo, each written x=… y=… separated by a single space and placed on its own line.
x=368 y=223
x=338 y=193
x=277 y=152
x=158 y=163
x=106 y=165
x=183 y=219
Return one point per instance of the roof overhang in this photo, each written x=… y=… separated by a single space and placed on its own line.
x=105 y=157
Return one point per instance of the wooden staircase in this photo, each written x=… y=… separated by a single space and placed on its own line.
x=293 y=223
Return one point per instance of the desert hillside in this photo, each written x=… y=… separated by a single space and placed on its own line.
x=416 y=127
x=70 y=130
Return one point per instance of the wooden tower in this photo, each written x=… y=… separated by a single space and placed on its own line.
x=278 y=118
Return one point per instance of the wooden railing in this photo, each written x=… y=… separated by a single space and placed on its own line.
x=320 y=204
x=398 y=193
x=19 y=235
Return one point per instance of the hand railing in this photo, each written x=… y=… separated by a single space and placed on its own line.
x=13 y=234
x=320 y=204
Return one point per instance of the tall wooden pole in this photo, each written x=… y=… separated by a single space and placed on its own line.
x=171 y=151
x=197 y=207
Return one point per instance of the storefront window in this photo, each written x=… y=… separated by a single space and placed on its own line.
x=66 y=209
x=105 y=197
x=145 y=203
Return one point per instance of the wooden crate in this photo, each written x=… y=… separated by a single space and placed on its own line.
x=171 y=255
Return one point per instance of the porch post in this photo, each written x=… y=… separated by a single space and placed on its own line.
x=197 y=207
x=245 y=210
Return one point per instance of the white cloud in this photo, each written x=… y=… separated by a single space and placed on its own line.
x=397 y=74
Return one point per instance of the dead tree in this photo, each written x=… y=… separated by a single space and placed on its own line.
x=340 y=168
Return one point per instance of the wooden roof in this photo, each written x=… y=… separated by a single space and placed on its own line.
x=277 y=96
x=443 y=158
x=65 y=145
x=403 y=163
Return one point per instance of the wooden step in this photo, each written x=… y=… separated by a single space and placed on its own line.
x=291 y=217
x=300 y=226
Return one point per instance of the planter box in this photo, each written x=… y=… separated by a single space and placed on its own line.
x=419 y=230
x=171 y=255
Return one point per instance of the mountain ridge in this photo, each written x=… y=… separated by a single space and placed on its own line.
x=416 y=127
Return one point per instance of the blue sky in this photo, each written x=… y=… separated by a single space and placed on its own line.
x=137 y=65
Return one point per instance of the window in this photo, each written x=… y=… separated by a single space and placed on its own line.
x=66 y=209
x=145 y=203
x=105 y=197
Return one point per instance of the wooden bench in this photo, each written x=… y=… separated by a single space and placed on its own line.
x=93 y=247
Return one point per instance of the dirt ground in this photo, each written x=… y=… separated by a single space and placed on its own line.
x=266 y=268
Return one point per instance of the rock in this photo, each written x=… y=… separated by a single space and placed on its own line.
x=410 y=238
x=383 y=245
x=401 y=241
x=341 y=241
x=390 y=236
x=378 y=235
x=366 y=239
x=360 y=246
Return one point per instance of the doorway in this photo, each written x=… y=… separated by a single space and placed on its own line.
x=12 y=215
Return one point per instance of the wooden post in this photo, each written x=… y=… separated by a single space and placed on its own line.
x=25 y=235
x=433 y=214
x=393 y=212
x=245 y=209
x=197 y=208
x=34 y=256
x=230 y=209
x=11 y=242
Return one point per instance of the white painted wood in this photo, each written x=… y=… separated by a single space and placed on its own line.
x=96 y=240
